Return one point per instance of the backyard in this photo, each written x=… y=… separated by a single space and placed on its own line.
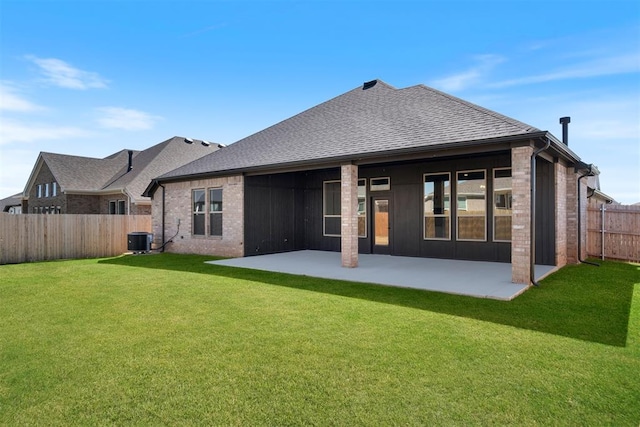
x=167 y=339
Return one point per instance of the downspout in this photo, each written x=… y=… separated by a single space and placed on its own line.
x=124 y=191
x=164 y=211
x=163 y=218
x=532 y=220
x=580 y=260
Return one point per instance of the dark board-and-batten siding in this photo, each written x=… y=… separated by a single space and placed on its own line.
x=283 y=212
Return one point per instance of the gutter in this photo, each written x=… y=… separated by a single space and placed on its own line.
x=532 y=220
x=589 y=172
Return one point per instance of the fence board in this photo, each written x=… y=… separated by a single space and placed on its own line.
x=617 y=228
x=26 y=238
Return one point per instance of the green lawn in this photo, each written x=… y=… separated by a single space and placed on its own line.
x=166 y=339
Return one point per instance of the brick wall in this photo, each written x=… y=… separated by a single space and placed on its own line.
x=521 y=214
x=44 y=177
x=349 y=215
x=178 y=206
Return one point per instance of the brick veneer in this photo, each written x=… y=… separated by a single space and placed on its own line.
x=178 y=206
x=349 y=215
x=561 y=176
x=521 y=214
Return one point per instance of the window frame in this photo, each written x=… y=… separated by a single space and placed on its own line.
x=444 y=204
x=380 y=187
x=466 y=208
x=195 y=211
x=39 y=191
x=508 y=199
x=324 y=207
x=215 y=212
x=359 y=213
x=54 y=189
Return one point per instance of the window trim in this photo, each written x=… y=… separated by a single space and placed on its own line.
x=212 y=212
x=424 y=212
x=194 y=212
x=494 y=210
x=324 y=207
x=380 y=187
x=485 y=216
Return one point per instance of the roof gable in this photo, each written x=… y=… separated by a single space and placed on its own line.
x=111 y=174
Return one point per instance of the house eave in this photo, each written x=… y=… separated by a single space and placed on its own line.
x=421 y=152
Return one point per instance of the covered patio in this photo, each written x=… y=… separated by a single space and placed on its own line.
x=471 y=278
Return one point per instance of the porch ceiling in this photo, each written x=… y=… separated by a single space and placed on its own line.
x=470 y=278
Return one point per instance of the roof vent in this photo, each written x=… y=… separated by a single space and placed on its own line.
x=205 y=143
x=221 y=145
x=188 y=140
x=368 y=85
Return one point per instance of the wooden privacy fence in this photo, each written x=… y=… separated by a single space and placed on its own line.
x=613 y=232
x=26 y=238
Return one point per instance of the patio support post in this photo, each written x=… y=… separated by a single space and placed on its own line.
x=349 y=215
x=521 y=215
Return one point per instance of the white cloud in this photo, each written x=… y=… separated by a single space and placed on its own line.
x=62 y=74
x=475 y=74
x=127 y=119
x=15 y=131
x=10 y=100
x=604 y=66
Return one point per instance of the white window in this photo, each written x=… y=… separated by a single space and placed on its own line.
x=380 y=184
x=198 y=199
x=46 y=190
x=437 y=215
x=215 y=211
x=502 y=202
x=117 y=207
x=54 y=189
x=472 y=213
x=332 y=208
x=39 y=191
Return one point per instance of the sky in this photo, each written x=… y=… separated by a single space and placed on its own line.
x=91 y=78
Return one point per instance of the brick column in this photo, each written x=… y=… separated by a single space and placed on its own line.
x=349 y=213
x=560 y=182
x=572 y=216
x=521 y=216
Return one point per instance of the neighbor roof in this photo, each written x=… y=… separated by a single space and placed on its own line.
x=8 y=202
x=75 y=174
x=377 y=120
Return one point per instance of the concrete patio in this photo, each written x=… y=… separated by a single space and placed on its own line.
x=472 y=278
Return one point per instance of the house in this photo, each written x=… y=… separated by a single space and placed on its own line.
x=12 y=204
x=64 y=184
x=595 y=196
x=409 y=172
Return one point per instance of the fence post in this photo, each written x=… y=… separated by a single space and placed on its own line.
x=602 y=209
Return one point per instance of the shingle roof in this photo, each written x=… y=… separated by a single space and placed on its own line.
x=6 y=203
x=87 y=174
x=376 y=120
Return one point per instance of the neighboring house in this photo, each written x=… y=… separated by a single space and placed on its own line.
x=375 y=170
x=595 y=196
x=12 y=204
x=63 y=184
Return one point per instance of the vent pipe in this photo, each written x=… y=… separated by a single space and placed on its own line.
x=130 y=164
x=564 y=121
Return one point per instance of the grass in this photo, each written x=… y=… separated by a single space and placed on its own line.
x=167 y=339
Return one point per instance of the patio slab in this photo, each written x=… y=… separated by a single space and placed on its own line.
x=472 y=278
